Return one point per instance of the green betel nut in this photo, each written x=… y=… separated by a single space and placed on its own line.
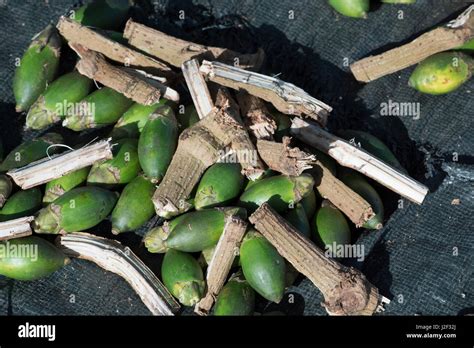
x=359 y=185
x=30 y=151
x=197 y=230
x=298 y=219
x=309 y=203
x=154 y=239
x=351 y=8
x=183 y=277
x=134 y=207
x=76 y=210
x=263 y=266
x=99 y=109
x=37 y=68
x=157 y=143
x=5 y=189
x=57 y=100
x=121 y=169
x=22 y=203
x=132 y=122
x=330 y=226
x=57 y=187
x=30 y=258
x=280 y=192
x=105 y=14
x=188 y=118
x=220 y=184
x=442 y=73
x=236 y=298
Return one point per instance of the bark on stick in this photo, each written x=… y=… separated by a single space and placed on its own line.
x=455 y=34
x=198 y=148
x=346 y=291
x=176 y=51
x=137 y=87
x=221 y=263
x=74 y=32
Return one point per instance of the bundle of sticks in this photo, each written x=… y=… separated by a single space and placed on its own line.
x=231 y=99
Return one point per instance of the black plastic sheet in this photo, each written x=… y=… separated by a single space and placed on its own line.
x=422 y=259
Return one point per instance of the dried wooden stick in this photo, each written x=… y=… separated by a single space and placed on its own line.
x=47 y=169
x=176 y=51
x=138 y=88
x=256 y=116
x=350 y=156
x=114 y=257
x=198 y=148
x=285 y=96
x=284 y=159
x=16 y=228
x=242 y=146
x=346 y=291
x=221 y=263
x=93 y=40
x=356 y=208
x=455 y=34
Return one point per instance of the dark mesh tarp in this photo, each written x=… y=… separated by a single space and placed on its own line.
x=423 y=257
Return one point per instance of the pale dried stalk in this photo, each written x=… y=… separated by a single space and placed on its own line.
x=285 y=96
x=221 y=263
x=114 y=257
x=256 y=116
x=350 y=156
x=435 y=41
x=137 y=87
x=346 y=291
x=197 y=88
x=284 y=159
x=356 y=208
x=176 y=51
x=47 y=169
x=242 y=146
x=16 y=228
x=198 y=148
x=74 y=32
